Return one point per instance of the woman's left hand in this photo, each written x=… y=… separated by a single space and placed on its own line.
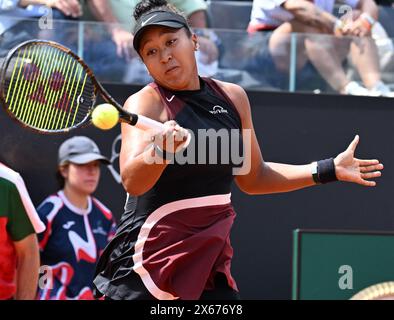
x=350 y=169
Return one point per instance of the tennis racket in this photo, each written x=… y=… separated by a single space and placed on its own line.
x=48 y=88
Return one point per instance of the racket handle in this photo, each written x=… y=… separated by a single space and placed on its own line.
x=145 y=123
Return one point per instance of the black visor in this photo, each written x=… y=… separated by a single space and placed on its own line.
x=157 y=18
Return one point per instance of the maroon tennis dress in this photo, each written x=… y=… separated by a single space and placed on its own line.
x=173 y=241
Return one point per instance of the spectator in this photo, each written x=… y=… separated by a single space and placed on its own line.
x=100 y=55
x=70 y=9
x=19 y=222
x=119 y=11
x=301 y=16
x=122 y=38
x=78 y=225
x=13 y=30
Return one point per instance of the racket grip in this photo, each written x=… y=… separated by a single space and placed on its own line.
x=145 y=123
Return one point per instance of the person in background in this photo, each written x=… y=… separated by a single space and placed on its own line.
x=78 y=225
x=19 y=223
x=350 y=33
x=16 y=25
x=118 y=13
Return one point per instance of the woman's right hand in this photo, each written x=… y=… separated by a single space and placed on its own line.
x=172 y=138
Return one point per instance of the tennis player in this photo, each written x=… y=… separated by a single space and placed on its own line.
x=173 y=240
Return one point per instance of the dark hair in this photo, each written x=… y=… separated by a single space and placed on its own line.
x=59 y=177
x=147 y=6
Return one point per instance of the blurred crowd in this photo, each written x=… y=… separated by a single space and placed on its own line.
x=320 y=46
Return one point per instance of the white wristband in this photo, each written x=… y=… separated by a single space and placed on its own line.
x=367 y=17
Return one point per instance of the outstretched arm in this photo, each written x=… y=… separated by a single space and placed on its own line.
x=269 y=177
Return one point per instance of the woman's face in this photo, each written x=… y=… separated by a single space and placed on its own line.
x=82 y=178
x=169 y=56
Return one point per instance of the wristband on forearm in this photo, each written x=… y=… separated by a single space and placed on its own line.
x=369 y=21
x=324 y=171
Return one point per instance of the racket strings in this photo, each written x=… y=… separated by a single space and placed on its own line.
x=48 y=89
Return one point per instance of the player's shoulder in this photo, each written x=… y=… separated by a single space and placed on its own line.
x=146 y=96
x=146 y=101
x=234 y=91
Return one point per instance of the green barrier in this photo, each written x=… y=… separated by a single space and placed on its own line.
x=336 y=265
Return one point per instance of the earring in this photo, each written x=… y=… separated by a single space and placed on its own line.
x=197 y=46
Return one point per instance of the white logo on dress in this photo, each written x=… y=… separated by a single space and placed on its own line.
x=218 y=109
x=172 y=98
x=145 y=22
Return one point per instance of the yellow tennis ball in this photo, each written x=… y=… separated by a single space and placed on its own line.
x=105 y=116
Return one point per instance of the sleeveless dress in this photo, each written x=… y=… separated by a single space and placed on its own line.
x=173 y=240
